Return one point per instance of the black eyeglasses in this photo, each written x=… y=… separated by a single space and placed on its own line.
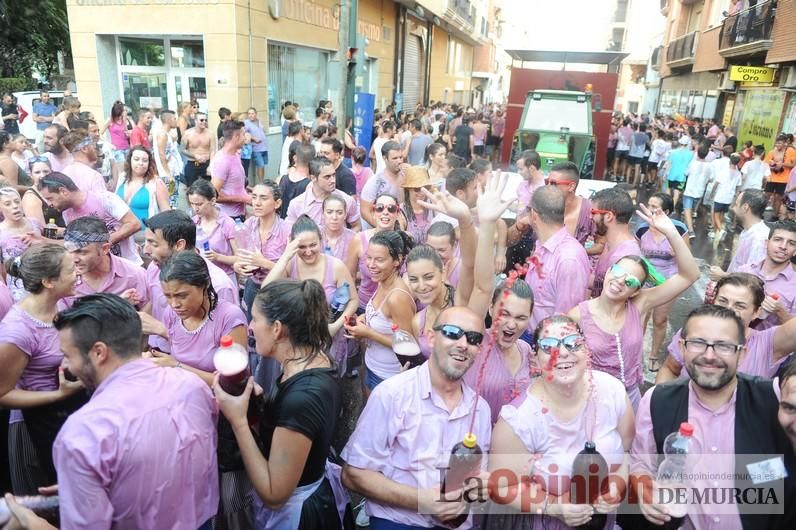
x=454 y=332
x=389 y=207
x=723 y=349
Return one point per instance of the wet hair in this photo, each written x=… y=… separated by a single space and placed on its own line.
x=519 y=288
x=36 y=264
x=390 y=146
x=638 y=260
x=667 y=204
x=333 y=197
x=756 y=200
x=174 y=225
x=317 y=164
x=548 y=203
x=60 y=130
x=548 y=321
x=458 y=179
x=56 y=181
x=151 y=170
x=617 y=201
x=397 y=242
x=716 y=311
x=444 y=229
x=304 y=224
x=529 y=158
x=569 y=168
x=479 y=165
x=190 y=268
x=102 y=317
x=359 y=154
x=203 y=188
x=787 y=225
x=89 y=225
x=749 y=281
x=301 y=307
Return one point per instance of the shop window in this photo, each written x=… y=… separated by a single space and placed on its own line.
x=296 y=74
x=142 y=52
x=187 y=54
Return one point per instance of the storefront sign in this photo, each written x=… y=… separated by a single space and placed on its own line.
x=761 y=114
x=364 y=104
x=728 y=108
x=757 y=74
x=324 y=17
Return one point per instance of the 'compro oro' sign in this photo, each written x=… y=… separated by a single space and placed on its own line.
x=757 y=74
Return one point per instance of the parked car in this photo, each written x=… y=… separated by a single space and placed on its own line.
x=25 y=101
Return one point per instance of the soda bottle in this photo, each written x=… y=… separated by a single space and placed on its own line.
x=340 y=299
x=464 y=462
x=232 y=363
x=406 y=348
x=592 y=471
x=672 y=472
x=51 y=230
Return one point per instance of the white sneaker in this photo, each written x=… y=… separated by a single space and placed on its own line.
x=363 y=519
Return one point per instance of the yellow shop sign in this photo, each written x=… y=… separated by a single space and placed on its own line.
x=758 y=74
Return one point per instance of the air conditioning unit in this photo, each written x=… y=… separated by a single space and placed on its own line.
x=725 y=83
x=788 y=77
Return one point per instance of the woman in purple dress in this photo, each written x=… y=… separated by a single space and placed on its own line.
x=659 y=253
x=31 y=356
x=612 y=322
x=215 y=232
x=304 y=260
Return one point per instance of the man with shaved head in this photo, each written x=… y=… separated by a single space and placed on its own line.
x=406 y=418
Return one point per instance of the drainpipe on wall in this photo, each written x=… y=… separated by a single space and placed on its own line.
x=251 y=60
x=427 y=83
x=400 y=17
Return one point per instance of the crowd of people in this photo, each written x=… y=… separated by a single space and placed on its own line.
x=137 y=249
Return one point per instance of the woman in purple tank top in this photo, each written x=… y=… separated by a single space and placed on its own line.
x=659 y=253
x=387 y=211
x=336 y=237
x=612 y=322
x=304 y=260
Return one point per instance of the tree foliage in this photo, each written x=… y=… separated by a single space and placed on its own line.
x=32 y=35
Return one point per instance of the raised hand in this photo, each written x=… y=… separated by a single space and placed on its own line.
x=658 y=220
x=443 y=202
x=491 y=204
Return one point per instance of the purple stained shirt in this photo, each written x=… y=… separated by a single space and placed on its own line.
x=229 y=170
x=6 y=300
x=618 y=354
x=659 y=253
x=525 y=193
x=85 y=178
x=557 y=442
x=562 y=281
x=498 y=386
x=758 y=360
x=367 y=287
x=110 y=209
x=340 y=249
x=218 y=239
x=123 y=276
x=585 y=226
x=714 y=438
x=141 y=454
x=782 y=284
x=628 y=247
x=57 y=164
x=406 y=432
x=273 y=246
x=196 y=348
x=308 y=203
x=751 y=246
x=39 y=341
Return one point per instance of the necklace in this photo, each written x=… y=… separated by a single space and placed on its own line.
x=621 y=357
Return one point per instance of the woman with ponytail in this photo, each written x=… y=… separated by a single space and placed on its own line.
x=296 y=487
x=31 y=356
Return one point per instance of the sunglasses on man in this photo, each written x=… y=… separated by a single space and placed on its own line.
x=454 y=332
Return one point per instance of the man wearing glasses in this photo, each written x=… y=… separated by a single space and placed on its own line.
x=611 y=211
x=417 y=417
x=733 y=416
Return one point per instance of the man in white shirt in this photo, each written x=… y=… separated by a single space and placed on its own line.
x=755 y=172
x=386 y=134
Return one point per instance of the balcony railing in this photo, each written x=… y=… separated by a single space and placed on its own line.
x=749 y=26
x=462 y=9
x=682 y=49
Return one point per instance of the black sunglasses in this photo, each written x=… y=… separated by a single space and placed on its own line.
x=389 y=207
x=454 y=332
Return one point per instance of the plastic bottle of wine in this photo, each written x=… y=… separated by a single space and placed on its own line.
x=672 y=472
x=232 y=363
x=51 y=229
x=464 y=462
x=589 y=471
x=406 y=348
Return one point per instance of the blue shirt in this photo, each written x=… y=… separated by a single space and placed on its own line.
x=255 y=129
x=679 y=160
x=43 y=109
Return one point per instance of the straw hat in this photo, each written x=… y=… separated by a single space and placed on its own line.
x=416 y=177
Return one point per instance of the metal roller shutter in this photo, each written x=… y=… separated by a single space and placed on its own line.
x=413 y=72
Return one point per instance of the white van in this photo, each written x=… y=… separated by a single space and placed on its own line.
x=25 y=101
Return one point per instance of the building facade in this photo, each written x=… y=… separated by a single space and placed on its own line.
x=731 y=61
x=260 y=53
